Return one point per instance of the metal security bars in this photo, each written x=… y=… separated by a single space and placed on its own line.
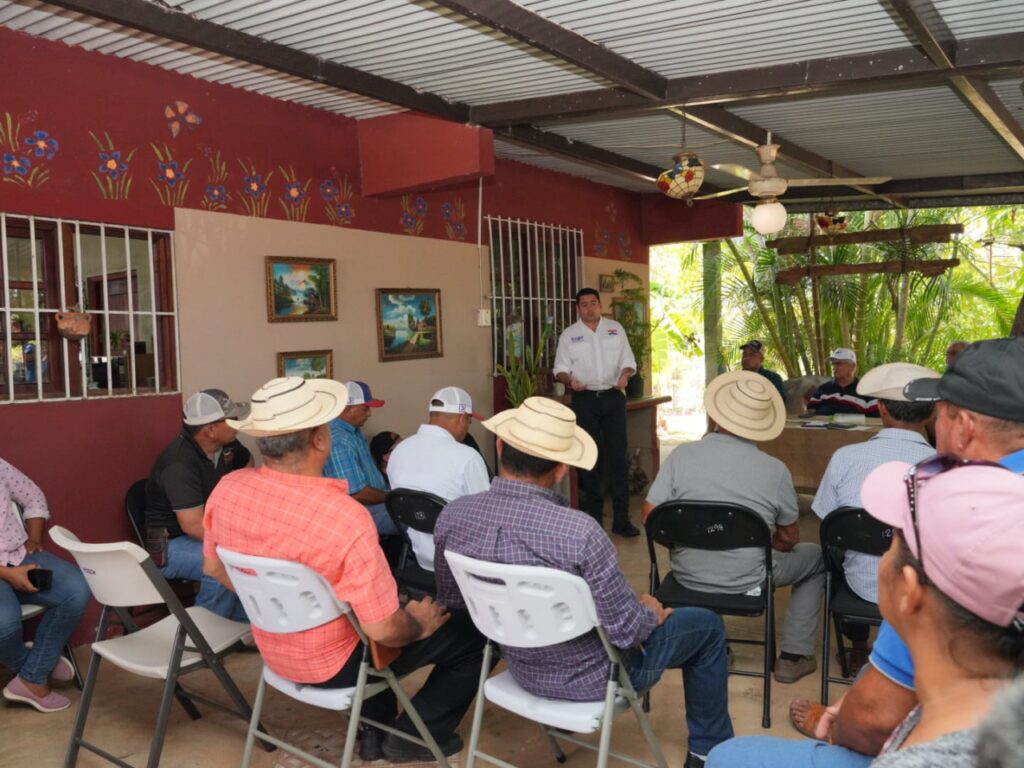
x=122 y=276
x=536 y=270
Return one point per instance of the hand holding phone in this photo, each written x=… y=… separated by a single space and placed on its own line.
x=40 y=578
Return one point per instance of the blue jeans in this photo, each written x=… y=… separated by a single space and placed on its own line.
x=381 y=518
x=65 y=603
x=185 y=561
x=693 y=640
x=773 y=752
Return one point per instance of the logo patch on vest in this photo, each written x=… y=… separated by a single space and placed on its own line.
x=575 y=339
x=613 y=331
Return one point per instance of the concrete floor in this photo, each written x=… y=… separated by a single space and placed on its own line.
x=124 y=710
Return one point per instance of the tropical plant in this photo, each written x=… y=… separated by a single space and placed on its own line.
x=523 y=371
x=638 y=330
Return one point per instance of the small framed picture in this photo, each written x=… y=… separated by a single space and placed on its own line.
x=309 y=364
x=606 y=283
x=300 y=290
x=628 y=311
x=408 y=323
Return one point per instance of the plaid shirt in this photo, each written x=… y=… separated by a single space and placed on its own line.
x=523 y=524
x=351 y=459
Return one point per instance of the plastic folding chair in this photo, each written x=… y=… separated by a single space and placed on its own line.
x=846 y=529
x=417 y=510
x=135 y=507
x=120 y=575
x=717 y=527
x=524 y=606
x=282 y=597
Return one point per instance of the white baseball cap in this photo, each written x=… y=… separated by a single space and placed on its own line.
x=453 y=400
x=843 y=354
x=212 y=405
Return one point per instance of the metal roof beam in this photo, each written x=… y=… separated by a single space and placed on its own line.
x=524 y=25
x=907 y=189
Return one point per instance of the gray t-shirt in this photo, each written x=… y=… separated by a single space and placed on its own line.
x=733 y=470
x=954 y=750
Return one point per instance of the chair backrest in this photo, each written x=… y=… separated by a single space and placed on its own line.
x=708 y=525
x=281 y=596
x=853 y=529
x=115 y=572
x=416 y=509
x=524 y=606
x=135 y=506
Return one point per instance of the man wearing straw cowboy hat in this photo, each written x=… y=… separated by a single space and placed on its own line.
x=287 y=509
x=727 y=466
x=522 y=521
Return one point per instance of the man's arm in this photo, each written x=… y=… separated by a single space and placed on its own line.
x=215 y=569
x=418 y=620
x=786 y=537
x=870 y=712
x=369 y=495
x=191 y=521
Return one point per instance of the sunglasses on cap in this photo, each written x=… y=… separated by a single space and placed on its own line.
x=924 y=471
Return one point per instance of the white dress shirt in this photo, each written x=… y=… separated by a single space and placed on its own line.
x=432 y=461
x=595 y=358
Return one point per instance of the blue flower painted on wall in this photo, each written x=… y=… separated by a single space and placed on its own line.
x=454 y=215
x=254 y=188
x=111 y=163
x=447 y=211
x=601 y=237
x=328 y=190
x=25 y=157
x=420 y=206
x=294 y=200
x=413 y=212
x=337 y=196
x=216 y=195
x=112 y=175
x=171 y=182
x=43 y=144
x=16 y=165
x=170 y=174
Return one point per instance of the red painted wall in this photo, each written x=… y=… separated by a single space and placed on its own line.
x=664 y=220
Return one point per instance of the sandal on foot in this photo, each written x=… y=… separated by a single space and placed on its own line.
x=810 y=722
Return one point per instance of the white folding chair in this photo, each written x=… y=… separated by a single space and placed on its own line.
x=281 y=596
x=523 y=606
x=121 y=575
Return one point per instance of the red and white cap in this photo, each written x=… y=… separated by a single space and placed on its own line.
x=453 y=400
x=359 y=394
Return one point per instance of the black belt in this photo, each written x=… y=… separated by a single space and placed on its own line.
x=595 y=392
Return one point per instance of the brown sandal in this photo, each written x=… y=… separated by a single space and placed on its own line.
x=810 y=722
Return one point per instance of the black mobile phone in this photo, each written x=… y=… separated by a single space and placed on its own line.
x=40 y=578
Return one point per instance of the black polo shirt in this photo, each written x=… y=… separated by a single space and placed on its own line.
x=183 y=478
x=831 y=398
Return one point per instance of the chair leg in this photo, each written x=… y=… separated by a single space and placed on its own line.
x=186 y=703
x=250 y=736
x=826 y=643
x=79 y=684
x=216 y=665
x=648 y=731
x=164 y=714
x=552 y=742
x=607 y=719
x=769 y=661
x=841 y=647
x=83 y=711
x=354 y=713
x=421 y=727
x=478 y=708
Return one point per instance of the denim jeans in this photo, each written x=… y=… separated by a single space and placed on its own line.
x=65 y=603
x=381 y=518
x=773 y=752
x=693 y=640
x=185 y=561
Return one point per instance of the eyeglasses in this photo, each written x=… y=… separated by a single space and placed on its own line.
x=926 y=470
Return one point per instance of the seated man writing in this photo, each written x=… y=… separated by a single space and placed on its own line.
x=520 y=520
x=287 y=509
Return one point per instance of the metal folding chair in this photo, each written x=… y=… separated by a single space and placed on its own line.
x=417 y=510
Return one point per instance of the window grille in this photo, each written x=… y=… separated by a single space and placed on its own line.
x=536 y=270
x=122 y=276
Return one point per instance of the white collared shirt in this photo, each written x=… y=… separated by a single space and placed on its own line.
x=595 y=358
x=432 y=461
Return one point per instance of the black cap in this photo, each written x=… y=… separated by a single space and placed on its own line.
x=987 y=378
x=754 y=344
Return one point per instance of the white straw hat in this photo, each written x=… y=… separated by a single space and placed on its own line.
x=746 y=404
x=292 y=404
x=547 y=429
x=887 y=381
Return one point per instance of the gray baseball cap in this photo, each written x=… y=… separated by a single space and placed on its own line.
x=210 y=405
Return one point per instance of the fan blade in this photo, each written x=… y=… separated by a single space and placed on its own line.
x=866 y=181
x=736 y=170
x=723 y=193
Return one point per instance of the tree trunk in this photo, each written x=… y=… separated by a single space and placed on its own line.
x=1018 y=320
x=712 y=263
x=901 y=313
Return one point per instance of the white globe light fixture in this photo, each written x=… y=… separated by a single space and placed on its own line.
x=769 y=216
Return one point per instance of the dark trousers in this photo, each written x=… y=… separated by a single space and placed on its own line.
x=603 y=415
x=856 y=631
x=455 y=650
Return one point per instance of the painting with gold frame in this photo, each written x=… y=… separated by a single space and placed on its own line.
x=408 y=323
x=300 y=290
x=308 y=364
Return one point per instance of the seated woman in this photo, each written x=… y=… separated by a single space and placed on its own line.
x=381 y=446
x=21 y=552
x=952 y=586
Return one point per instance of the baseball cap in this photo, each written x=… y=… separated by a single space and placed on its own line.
x=887 y=381
x=359 y=394
x=754 y=344
x=209 y=405
x=971 y=524
x=453 y=400
x=987 y=377
x=843 y=354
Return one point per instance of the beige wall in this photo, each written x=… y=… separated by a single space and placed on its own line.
x=227 y=342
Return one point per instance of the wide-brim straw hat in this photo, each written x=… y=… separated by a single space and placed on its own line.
x=746 y=404
x=887 y=381
x=547 y=429
x=290 y=405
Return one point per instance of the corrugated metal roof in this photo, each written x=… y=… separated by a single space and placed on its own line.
x=977 y=18
x=538 y=159
x=58 y=24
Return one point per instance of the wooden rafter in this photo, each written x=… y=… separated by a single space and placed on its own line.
x=925 y=233
x=928 y=268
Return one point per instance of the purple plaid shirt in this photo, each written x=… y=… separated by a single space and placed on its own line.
x=523 y=524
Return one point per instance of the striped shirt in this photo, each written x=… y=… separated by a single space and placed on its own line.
x=840 y=487
x=832 y=398
x=520 y=523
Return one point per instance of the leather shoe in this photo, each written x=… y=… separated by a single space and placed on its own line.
x=694 y=761
x=398 y=750
x=789 y=670
x=370 y=744
x=626 y=529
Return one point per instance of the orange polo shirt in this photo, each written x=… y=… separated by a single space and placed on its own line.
x=310 y=520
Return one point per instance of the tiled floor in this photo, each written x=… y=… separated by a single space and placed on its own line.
x=124 y=710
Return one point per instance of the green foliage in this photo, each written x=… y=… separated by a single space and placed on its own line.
x=522 y=373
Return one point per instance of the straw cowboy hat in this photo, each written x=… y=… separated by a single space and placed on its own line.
x=887 y=381
x=290 y=405
x=746 y=404
x=547 y=429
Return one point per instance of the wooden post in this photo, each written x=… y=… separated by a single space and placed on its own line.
x=819 y=342
x=712 y=263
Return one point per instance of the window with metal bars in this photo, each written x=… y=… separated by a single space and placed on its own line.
x=536 y=270
x=122 y=276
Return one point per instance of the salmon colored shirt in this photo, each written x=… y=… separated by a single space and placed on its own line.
x=310 y=520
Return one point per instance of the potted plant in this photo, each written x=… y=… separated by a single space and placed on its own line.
x=522 y=373
x=638 y=330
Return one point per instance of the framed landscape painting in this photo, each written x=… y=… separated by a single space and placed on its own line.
x=408 y=323
x=311 y=364
x=628 y=311
x=300 y=289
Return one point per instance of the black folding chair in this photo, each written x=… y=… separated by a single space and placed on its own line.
x=846 y=529
x=715 y=526
x=417 y=510
x=135 y=507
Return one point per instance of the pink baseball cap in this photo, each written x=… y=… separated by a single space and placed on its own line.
x=971 y=523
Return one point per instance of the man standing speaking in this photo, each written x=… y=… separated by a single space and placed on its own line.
x=594 y=361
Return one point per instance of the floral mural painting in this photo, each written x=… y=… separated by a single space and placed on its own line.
x=454 y=215
x=626 y=245
x=216 y=196
x=414 y=212
x=255 y=197
x=113 y=171
x=295 y=200
x=180 y=116
x=171 y=182
x=601 y=237
x=337 y=198
x=25 y=157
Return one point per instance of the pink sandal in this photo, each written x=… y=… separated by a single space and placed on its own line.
x=16 y=690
